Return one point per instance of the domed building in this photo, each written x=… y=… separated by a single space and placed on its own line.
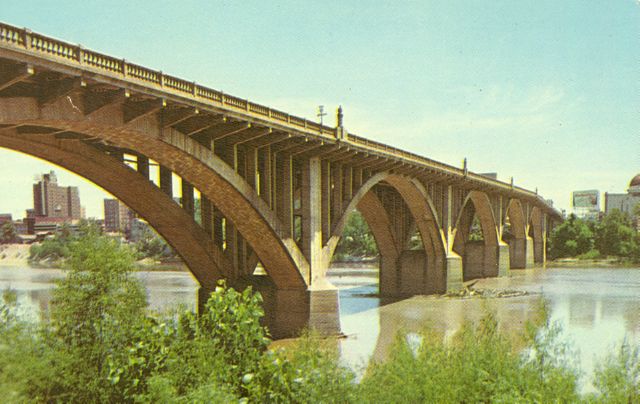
x=625 y=202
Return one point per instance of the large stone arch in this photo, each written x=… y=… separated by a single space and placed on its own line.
x=479 y=258
x=517 y=236
x=429 y=267
x=200 y=254
x=227 y=190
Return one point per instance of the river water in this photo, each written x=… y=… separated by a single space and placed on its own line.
x=598 y=308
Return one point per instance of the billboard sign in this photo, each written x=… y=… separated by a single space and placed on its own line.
x=586 y=199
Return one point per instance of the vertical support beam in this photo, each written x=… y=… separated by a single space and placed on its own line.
x=143 y=166
x=348 y=185
x=231 y=241
x=504 y=260
x=218 y=228
x=187 y=197
x=284 y=190
x=337 y=191
x=357 y=179
x=206 y=214
x=264 y=158
x=252 y=169
x=166 y=181
x=312 y=219
x=529 y=252
x=326 y=200
x=454 y=261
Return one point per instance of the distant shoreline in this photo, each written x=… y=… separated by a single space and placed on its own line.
x=591 y=263
x=17 y=255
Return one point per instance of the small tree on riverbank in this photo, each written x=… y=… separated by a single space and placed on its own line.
x=8 y=233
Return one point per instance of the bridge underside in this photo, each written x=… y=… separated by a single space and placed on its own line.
x=274 y=193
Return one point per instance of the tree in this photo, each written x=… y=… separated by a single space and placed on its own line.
x=614 y=235
x=357 y=240
x=96 y=310
x=573 y=237
x=8 y=233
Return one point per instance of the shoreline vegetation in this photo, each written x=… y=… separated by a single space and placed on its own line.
x=99 y=343
x=614 y=239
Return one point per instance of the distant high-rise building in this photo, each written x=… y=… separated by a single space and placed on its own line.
x=117 y=216
x=53 y=201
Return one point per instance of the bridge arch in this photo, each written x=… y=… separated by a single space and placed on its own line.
x=174 y=224
x=479 y=257
x=517 y=234
x=402 y=272
x=216 y=180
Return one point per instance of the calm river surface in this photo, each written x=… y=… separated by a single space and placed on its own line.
x=597 y=307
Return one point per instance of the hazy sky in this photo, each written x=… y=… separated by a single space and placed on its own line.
x=545 y=91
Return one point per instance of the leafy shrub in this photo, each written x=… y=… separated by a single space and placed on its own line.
x=307 y=372
x=478 y=365
x=617 y=380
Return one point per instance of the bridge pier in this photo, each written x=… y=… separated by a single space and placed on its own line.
x=504 y=259
x=454 y=271
x=529 y=253
x=289 y=311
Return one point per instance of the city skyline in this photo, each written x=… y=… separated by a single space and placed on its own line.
x=542 y=92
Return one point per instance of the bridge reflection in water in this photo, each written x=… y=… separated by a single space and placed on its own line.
x=274 y=189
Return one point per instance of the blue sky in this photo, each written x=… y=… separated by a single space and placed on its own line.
x=545 y=91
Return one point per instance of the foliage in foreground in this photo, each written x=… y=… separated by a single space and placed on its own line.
x=478 y=365
x=100 y=345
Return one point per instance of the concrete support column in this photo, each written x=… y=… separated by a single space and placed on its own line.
x=504 y=259
x=529 y=253
x=252 y=168
x=166 y=181
x=206 y=215
x=388 y=277
x=143 y=166
x=264 y=160
x=187 y=197
x=284 y=191
x=312 y=220
x=289 y=311
x=454 y=271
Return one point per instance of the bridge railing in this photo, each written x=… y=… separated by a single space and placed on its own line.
x=27 y=40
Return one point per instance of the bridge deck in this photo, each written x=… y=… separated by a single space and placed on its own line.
x=33 y=49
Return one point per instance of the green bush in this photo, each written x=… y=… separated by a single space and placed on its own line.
x=307 y=372
x=478 y=365
x=590 y=255
x=617 y=380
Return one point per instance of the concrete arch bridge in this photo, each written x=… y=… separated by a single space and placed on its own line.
x=275 y=189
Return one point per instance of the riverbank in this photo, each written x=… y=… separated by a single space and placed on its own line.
x=591 y=263
x=14 y=255
x=17 y=255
